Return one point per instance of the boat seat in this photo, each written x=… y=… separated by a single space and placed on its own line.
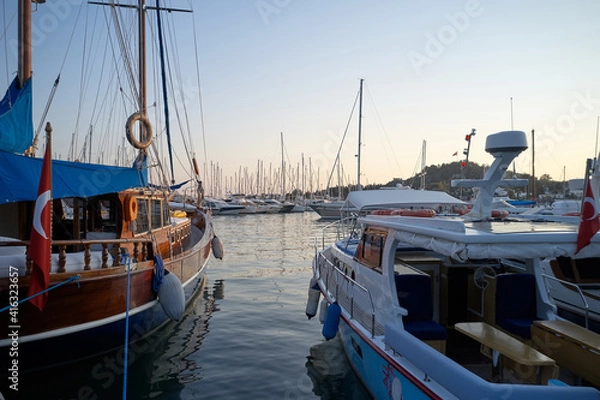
x=516 y=303
x=414 y=294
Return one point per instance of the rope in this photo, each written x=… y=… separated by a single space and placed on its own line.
x=71 y=278
x=126 y=354
x=160 y=273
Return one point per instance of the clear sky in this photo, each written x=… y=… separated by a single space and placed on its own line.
x=433 y=70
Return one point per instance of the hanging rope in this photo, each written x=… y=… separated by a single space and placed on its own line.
x=126 y=353
x=71 y=279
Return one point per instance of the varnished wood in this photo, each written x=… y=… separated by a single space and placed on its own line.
x=503 y=343
x=572 y=346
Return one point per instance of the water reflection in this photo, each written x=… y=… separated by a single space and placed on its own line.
x=330 y=373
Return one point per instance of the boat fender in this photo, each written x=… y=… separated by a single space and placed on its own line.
x=313 y=299
x=171 y=296
x=323 y=310
x=332 y=320
x=159 y=273
x=131 y=208
x=217 y=247
x=133 y=118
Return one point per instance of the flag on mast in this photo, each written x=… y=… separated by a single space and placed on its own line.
x=41 y=233
x=589 y=223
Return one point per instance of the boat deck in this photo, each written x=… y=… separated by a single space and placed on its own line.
x=467 y=352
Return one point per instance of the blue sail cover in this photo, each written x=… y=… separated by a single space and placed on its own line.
x=20 y=178
x=16 y=124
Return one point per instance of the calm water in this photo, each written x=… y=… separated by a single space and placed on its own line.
x=245 y=337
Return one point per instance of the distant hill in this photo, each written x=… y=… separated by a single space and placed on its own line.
x=438 y=177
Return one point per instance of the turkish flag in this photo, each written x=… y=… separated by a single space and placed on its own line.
x=41 y=233
x=589 y=223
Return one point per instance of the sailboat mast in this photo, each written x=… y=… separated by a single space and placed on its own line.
x=360 y=102
x=282 y=170
x=142 y=54
x=423 y=163
x=24 y=72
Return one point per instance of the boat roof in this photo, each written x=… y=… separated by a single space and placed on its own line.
x=400 y=198
x=464 y=239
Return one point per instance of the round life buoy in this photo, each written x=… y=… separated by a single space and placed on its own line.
x=133 y=118
x=499 y=214
x=131 y=208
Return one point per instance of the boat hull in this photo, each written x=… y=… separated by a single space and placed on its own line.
x=86 y=318
x=377 y=371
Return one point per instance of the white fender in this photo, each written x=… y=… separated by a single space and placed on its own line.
x=217 y=247
x=313 y=299
x=171 y=296
x=323 y=310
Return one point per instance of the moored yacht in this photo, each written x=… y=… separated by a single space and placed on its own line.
x=456 y=307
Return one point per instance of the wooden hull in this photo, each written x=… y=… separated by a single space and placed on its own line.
x=87 y=317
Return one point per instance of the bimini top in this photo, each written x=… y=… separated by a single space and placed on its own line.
x=371 y=199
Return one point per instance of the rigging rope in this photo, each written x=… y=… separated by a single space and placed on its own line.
x=126 y=350
x=70 y=279
x=337 y=156
x=164 y=87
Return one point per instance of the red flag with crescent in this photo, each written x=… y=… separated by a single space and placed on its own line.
x=589 y=224
x=40 y=242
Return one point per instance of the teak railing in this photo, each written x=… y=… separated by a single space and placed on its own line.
x=115 y=251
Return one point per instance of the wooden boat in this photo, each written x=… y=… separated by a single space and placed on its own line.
x=456 y=307
x=115 y=246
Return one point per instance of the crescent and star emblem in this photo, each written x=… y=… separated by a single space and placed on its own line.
x=40 y=203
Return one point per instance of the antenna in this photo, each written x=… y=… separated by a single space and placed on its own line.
x=596 y=148
x=512 y=121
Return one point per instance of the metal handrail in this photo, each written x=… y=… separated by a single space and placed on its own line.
x=351 y=281
x=585 y=303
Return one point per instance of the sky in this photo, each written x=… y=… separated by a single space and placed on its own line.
x=433 y=71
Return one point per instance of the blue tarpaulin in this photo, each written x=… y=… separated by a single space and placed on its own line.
x=20 y=178
x=16 y=124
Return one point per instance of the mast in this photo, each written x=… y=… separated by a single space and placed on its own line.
x=282 y=169
x=533 y=194
x=423 y=164
x=24 y=72
x=142 y=58
x=358 y=187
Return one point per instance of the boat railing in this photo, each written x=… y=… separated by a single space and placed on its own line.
x=109 y=247
x=585 y=307
x=349 y=294
x=343 y=228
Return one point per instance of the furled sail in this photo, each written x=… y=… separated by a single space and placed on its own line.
x=21 y=175
x=16 y=124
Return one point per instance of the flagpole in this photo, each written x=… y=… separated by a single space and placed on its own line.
x=586 y=182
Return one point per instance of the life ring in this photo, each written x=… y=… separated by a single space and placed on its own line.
x=133 y=118
x=499 y=214
x=131 y=209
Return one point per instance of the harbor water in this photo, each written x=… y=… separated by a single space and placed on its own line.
x=244 y=337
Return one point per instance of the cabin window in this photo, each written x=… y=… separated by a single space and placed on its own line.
x=588 y=269
x=166 y=214
x=141 y=222
x=370 y=250
x=155 y=213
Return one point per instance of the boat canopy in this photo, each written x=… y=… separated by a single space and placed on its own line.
x=371 y=199
x=21 y=177
x=16 y=124
x=462 y=241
